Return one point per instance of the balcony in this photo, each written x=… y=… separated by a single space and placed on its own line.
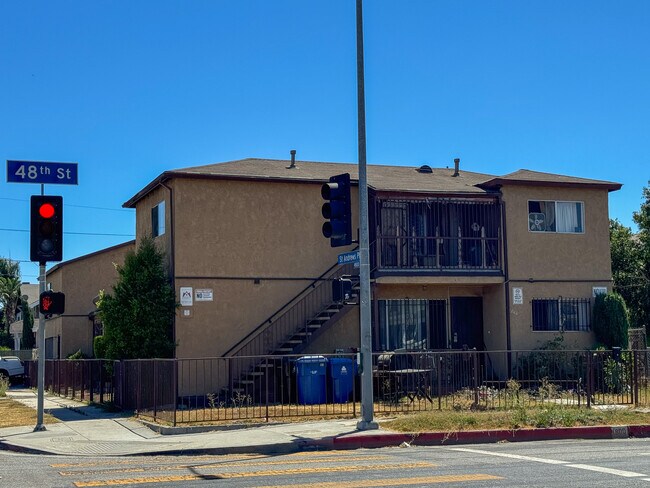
x=445 y=236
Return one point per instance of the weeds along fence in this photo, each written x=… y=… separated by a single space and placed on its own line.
x=226 y=389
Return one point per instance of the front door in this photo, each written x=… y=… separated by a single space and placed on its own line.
x=466 y=322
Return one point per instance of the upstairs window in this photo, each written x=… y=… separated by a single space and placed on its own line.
x=158 y=220
x=552 y=216
x=562 y=314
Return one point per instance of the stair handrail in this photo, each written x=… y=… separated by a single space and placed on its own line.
x=269 y=321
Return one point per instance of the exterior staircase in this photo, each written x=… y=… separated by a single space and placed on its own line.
x=287 y=332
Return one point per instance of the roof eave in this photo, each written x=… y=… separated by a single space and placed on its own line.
x=499 y=182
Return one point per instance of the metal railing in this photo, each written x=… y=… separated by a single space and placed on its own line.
x=438 y=234
x=86 y=380
x=190 y=391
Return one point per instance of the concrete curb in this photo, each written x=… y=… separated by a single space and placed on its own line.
x=356 y=441
x=378 y=440
x=197 y=429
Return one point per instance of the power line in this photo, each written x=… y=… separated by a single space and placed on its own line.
x=71 y=205
x=77 y=233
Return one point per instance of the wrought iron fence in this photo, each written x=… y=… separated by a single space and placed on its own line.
x=190 y=391
x=89 y=380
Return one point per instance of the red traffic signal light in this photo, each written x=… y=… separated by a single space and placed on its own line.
x=51 y=303
x=46 y=210
x=46 y=229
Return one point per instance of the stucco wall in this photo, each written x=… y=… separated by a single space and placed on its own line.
x=552 y=265
x=255 y=244
x=550 y=255
x=80 y=280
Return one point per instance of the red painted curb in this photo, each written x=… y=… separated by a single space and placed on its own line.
x=481 y=437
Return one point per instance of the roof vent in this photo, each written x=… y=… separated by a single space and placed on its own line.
x=456 y=167
x=425 y=168
x=293 y=159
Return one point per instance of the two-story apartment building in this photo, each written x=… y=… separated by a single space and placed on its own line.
x=458 y=259
x=80 y=279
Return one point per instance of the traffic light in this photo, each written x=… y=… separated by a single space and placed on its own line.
x=51 y=303
x=337 y=210
x=46 y=229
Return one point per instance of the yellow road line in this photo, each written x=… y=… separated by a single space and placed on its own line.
x=276 y=472
x=243 y=464
x=424 y=480
x=234 y=457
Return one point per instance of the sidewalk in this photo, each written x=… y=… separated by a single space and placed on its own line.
x=91 y=431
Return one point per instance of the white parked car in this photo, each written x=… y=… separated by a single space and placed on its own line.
x=11 y=367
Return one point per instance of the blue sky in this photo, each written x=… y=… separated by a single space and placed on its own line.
x=131 y=89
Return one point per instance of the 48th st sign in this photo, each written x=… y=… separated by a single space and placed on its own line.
x=43 y=172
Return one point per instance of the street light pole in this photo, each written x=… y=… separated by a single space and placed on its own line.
x=366 y=422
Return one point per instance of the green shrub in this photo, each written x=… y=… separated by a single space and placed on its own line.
x=610 y=319
x=99 y=347
x=5 y=348
x=77 y=355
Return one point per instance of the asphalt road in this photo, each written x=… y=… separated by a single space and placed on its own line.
x=619 y=463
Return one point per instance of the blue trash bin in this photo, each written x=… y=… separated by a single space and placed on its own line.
x=342 y=372
x=311 y=376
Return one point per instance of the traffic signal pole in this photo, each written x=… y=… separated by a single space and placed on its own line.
x=40 y=426
x=366 y=422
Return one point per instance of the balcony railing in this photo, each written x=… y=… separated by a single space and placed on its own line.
x=439 y=253
x=443 y=235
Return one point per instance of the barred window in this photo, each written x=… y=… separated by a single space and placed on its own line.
x=562 y=314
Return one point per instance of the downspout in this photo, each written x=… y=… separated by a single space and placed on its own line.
x=506 y=284
x=172 y=267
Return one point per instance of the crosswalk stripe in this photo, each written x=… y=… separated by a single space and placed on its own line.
x=423 y=480
x=233 y=457
x=277 y=472
x=246 y=463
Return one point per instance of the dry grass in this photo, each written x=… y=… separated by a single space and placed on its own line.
x=15 y=414
x=545 y=416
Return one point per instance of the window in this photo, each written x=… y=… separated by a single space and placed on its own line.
x=412 y=324
x=551 y=216
x=562 y=314
x=158 y=220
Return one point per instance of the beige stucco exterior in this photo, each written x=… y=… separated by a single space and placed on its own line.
x=255 y=243
x=81 y=279
x=551 y=265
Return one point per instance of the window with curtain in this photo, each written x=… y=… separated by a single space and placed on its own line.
x=403 y=324
x=552 y=216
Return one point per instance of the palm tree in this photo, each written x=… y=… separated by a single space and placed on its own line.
x=9 y=290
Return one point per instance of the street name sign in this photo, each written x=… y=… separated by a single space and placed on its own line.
x=349 y=257
x=42 y=172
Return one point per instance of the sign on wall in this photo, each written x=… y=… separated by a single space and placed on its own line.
x=186 y=296
x=599 y=290
x=517 y=296
x=203 y=295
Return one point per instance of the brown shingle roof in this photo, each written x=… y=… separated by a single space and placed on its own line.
x=528 y=177
x=382 y=178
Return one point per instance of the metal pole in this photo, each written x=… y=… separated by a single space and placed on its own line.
x=41 y=354
x=366 y=422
